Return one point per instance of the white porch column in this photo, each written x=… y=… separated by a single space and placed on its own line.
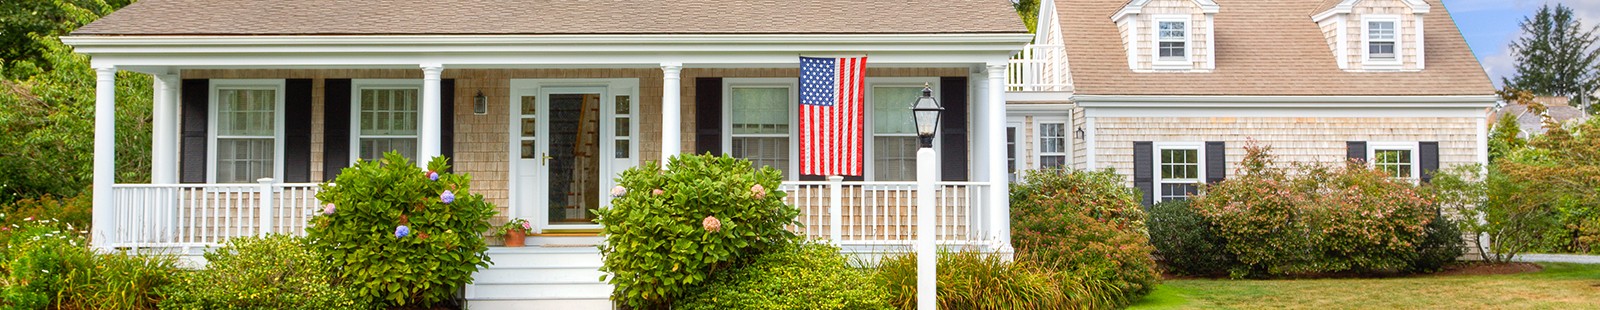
x=671 y=111
x=980 y=123
x=429 y=138
x=1000 y=206
x=105 y=126
x=164 y=135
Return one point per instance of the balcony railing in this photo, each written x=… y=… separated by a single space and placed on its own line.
x=1039 y=68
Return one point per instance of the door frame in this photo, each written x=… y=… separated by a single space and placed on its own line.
x=527 y=204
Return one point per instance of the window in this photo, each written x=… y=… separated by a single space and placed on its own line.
x=894 y=134
x=1011 y=150
x=245 y=140
x=387 y=119
x=1381 y=40
x=760 y=121
x=1397 y=159
x=1179 y=170
x=1172 y=37
x=1052 y=144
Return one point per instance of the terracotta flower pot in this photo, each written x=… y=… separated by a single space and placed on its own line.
x=516 y=239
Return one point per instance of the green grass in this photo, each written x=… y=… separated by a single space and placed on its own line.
x=1558 y=286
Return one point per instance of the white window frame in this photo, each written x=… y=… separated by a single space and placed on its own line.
x=1161 y=63
x=728 y=84
x=869 y=158
x=1413 y=147
x=1155 y=169
x=1018 y=148
x=1366 y=42
x=355 y=111
x=278 y=86
x=1038 y=140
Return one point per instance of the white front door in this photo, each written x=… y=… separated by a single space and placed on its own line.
x=571 y=139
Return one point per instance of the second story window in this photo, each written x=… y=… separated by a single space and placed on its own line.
x=1381 y=38
x=1172 y=37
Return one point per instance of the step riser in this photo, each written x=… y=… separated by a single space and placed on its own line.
x=537 y=276
x=514 y=260
x=578 y=304
x=538 y=291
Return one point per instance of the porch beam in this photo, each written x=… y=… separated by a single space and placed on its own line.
x=164 y=136
x=105 y=118
x=671 y=111
x=430 y=114
x=999 y=205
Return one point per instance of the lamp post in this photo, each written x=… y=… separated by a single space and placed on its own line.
x=926 y=112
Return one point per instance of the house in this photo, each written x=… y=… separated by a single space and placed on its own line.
x=1558 y=108
x=1169 y=92
x=543 y=103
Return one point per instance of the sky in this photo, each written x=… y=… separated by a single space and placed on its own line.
x=1490 y=25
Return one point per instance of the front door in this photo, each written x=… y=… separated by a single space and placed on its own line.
x=571 y=143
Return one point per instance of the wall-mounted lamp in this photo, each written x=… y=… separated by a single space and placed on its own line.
x=1078 y=134
x=480 y=104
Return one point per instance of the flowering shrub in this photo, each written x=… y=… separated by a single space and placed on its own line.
x=271 y=272
x=801 y=276
x=43 y=265
x=668 y=231
x=974 y=280
x=1084 y=223
x=401 y=235
x=1305 y=218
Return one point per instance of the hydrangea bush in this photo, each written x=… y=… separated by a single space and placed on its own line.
x=668 y=231
x=399 y=234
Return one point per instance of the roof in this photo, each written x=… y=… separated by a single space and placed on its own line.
x=1263 y=48
x=1556 y=108
x=539 y=17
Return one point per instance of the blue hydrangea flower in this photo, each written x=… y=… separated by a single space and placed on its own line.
x=447 y=197
x=433 y=176
x=402 y=231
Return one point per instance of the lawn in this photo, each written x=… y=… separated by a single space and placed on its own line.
x=1558 y=286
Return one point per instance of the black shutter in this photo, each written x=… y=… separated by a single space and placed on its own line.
x=708 y=115
x=953 y=97
x=335 y=127
x=1216 y=161
x=1429 y=159
x=1356 y=150
x=297 y=131
x=447 y=121
x=1143 y=162
x=192 y=143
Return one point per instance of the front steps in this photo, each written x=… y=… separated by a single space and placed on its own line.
x=543 y=275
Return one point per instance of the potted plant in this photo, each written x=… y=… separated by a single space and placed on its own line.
x=515 y=232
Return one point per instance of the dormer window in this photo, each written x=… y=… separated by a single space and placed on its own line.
x=1173 y=37
x=1176 y=36
x=1375 y=36
x=1381 y=41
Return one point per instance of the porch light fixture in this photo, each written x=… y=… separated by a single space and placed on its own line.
x=926 y=112
x=480 y=104
x=1078 y=134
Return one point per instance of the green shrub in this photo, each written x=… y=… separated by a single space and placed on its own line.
x=801 y=276
x=397 y=235
x=1088 y=224
x=973 y=280
x=70 y=213
x=1510 y=221
x=668 y=230
x=45 y=267
x=271 y=272
x=1185 y=242
x=1313 y=219
x=1441 y=246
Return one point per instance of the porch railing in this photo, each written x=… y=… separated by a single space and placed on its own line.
x=1039 y=68
x=884 y=213
x=190 y=215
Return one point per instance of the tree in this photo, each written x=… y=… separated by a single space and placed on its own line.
x=24 y=25
x=1029 y=10
x=1556 y=56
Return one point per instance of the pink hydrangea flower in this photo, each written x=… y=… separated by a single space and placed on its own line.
x=327 y=209
x=711 y=224
x=618 y=191
x=758 y=192
x=447 y=197
x=658 y=192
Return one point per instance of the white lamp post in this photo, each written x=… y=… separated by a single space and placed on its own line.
x=926 y=112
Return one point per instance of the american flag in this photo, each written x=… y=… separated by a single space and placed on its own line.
x=831 y=104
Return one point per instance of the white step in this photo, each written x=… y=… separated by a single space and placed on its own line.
x=563 y=304
x=589 y=290
x=537 y=275
x=544 y=257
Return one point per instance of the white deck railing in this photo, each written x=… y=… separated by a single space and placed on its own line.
x=849 y=213
x=1039 y=68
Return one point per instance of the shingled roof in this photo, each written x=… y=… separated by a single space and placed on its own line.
x=536 y=17
x=1264 y=48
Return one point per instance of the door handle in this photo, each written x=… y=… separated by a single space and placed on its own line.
x=544 y=159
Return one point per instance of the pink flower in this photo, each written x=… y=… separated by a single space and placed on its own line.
x=658 y=192
x=758 y=192
x=618 y=191
x=327 y=209
x=711 y=224
x=527 y=226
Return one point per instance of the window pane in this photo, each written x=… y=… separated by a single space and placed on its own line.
x=624 y=127
x=764 y=151
x=624 y=105
x=1383 y=30
x=1180 y=164
x=891 y=109
x=246 y=112
x=1173 y=30
x=1174 y=191
x=1052 y=138
x=1381 y=49
x=373 y=148
x=1172 y=49
x=244 y=160
x=622 y=149
x=529 y=106
x=1011 y=153
x=760 y=110
x=1395 y=162
x=894 y=158
x=1049 y=162
x=391 y=112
